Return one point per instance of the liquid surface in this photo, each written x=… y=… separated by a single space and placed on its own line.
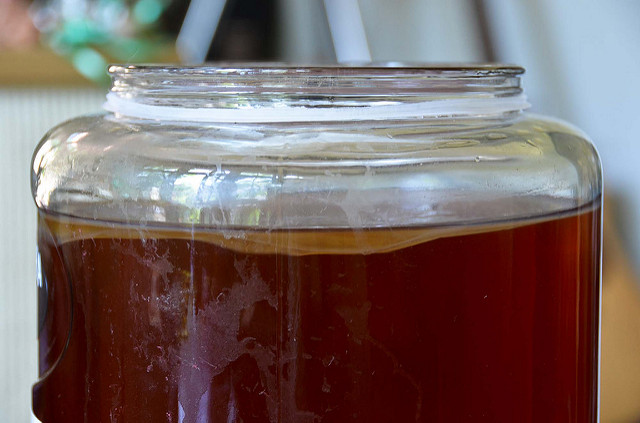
x=477 y=324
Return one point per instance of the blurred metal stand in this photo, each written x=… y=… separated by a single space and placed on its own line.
x=347 y=31
x=198 y=29
x=203 y=20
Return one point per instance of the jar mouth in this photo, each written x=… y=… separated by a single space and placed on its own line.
x=245 y=92
x=469 y=70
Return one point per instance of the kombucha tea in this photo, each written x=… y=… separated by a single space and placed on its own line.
x=478 y=323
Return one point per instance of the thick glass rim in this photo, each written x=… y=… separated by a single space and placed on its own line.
x=275 y=92
x=386 y=69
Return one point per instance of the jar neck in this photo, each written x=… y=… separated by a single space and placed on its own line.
x=307 y=94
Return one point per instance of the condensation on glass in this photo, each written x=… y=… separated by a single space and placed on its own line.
x=335 y=244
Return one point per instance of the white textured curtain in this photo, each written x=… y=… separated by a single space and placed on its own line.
x=25 y=115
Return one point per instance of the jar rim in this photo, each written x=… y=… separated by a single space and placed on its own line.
x=276 y=92
x=385 y=69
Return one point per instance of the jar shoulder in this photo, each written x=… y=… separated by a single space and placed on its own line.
x=448 y=136
x=416 y=171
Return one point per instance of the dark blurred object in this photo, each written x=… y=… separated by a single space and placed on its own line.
x=173 y=16
x=16 y=29
x=228 y=30
x=246 y=32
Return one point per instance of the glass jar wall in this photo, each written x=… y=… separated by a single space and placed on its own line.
x=280 y=244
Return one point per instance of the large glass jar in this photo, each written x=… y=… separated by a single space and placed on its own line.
x=285 y=244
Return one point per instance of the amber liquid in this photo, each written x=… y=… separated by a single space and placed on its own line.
x=494 y=323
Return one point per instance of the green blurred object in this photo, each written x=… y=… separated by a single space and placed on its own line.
x=92 y=33
x=148 y=11
x=82 y=31
x=90 y=63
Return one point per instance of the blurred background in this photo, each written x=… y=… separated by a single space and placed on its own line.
x=581 y=57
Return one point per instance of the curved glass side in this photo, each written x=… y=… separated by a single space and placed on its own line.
x=425 y=271
x=256 y=176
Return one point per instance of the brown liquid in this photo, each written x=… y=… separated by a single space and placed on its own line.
x=480 y=324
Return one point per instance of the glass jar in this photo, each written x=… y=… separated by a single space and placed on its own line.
x=335 y=244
